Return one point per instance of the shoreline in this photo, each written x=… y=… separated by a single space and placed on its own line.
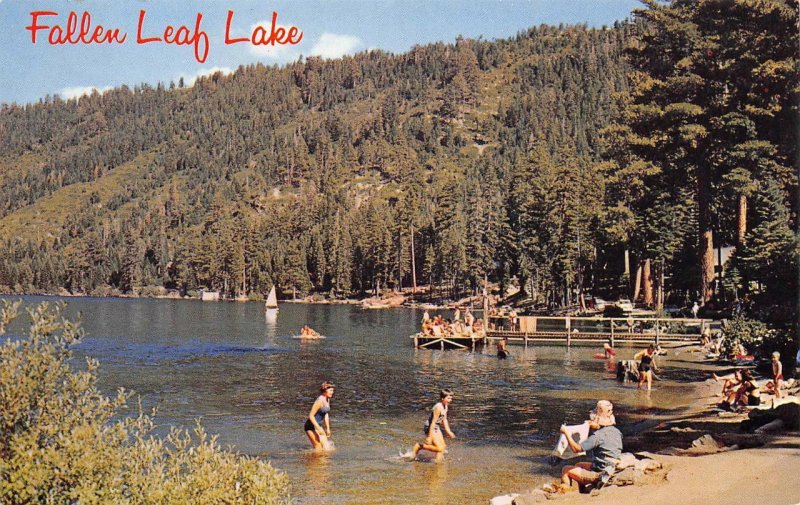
x=735 y=467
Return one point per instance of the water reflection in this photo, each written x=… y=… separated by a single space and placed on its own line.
x=241 y=371
x=318 y=475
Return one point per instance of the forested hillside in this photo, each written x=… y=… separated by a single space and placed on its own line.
x=313 y=176
x=566 y=159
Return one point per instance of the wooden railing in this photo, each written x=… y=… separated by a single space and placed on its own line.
x=567 y=329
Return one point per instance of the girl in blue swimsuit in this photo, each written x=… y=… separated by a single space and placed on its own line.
x=436 y=423
x=319 y=415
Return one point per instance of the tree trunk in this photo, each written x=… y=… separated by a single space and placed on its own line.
x=741 y=222
x=627 y=274
x=413 y=264
x=660 y=291
x=637 y=283
x=705 y=234
x=647 y=283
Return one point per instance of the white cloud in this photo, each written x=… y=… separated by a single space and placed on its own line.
x=273 y=52
x=78 y=91
x=332 y=45
x=190 y=79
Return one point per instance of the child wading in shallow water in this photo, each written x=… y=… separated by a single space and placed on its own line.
x=437 y=421
x=319 y=415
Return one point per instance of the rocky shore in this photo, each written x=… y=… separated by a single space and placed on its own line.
x=701 y=455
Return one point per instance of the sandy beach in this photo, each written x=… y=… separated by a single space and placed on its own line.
x=736 y=467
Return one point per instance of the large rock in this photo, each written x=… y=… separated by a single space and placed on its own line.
x=788 y=412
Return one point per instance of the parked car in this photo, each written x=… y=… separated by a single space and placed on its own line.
x=625 y=305
x=599 y=304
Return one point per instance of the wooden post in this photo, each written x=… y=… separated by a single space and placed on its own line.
x=485 y=304
x=658 y=332
x=441 y=344
x=569 y=332
x=416 y=341
x=612 y=332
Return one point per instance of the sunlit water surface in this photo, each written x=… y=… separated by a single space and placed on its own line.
x=246 y=378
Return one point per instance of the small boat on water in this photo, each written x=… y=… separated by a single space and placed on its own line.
x=308 y=333
x=272 y=300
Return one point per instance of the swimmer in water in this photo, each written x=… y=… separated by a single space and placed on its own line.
x=307 y=332
x=319 y=415
x=436 y=423
x=502 y=353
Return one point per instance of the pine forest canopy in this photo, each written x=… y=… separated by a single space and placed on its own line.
x=549 y=157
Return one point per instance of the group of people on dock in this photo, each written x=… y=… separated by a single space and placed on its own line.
x=439 y=327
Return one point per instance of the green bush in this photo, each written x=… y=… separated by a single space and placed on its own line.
x=760 y=340
x=60 y=444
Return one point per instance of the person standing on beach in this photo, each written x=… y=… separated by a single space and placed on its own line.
x=436 y=423
x=647 y=365
x=777 y=373
x=605 y=446
x=319 y=415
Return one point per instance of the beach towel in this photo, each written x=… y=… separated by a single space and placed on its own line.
x=579 y=433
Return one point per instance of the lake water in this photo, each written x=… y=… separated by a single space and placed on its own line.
x=248 y=380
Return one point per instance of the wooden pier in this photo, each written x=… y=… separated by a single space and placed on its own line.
x=422 y=341
x=569 y=330
x=573 y=330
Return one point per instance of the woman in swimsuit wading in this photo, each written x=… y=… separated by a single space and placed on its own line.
x=319 y=415
x=646 y=366
x=437 y=421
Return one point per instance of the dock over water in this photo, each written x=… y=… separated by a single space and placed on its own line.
x=568 y=330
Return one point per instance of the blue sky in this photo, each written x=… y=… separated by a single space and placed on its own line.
x=330 y=28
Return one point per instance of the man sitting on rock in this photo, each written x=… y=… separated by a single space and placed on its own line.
x=604 y=445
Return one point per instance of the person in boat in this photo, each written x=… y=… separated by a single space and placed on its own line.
x=434 y=428
x=318 y=424
x=502 y=352
x=647 y=366
x=307 y=332
x=425 y=317
x=605 y=446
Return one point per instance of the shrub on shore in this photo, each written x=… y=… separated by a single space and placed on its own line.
x=761 y=340
x=59 y=442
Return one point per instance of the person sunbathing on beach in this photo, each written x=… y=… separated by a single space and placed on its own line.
x=319 y=415
x=748 y=394
x=435 y=424
x=729 y=384
x=605 y=445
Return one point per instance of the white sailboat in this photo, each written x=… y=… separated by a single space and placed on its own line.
x=272 y=301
